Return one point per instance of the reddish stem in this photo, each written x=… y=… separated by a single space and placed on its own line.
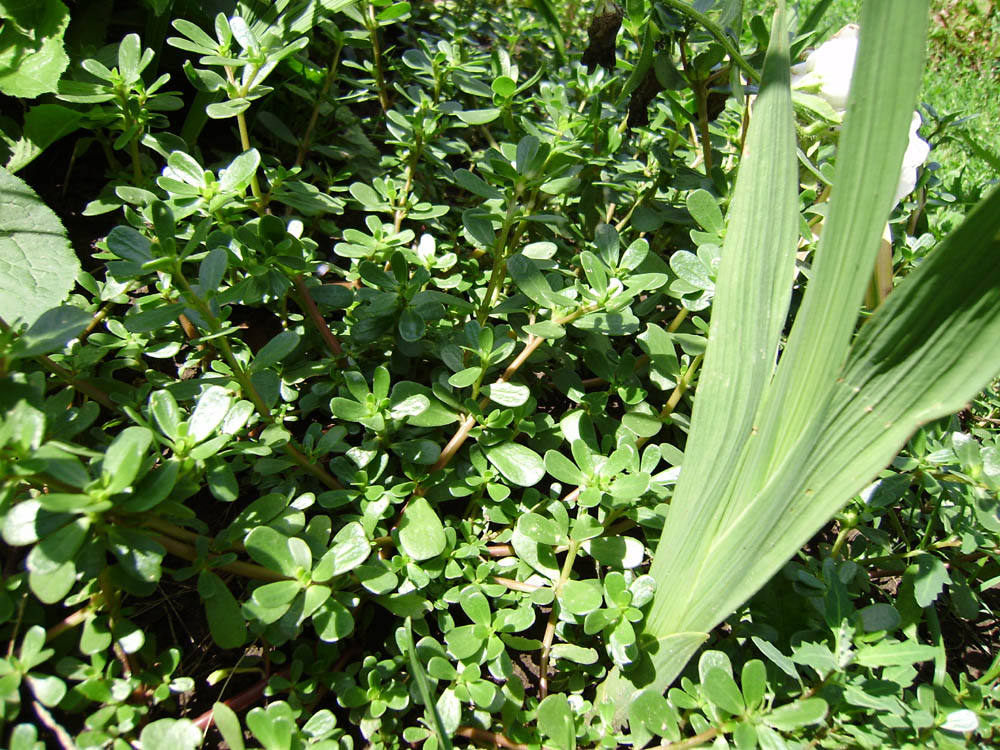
x=316 y=317
x=497 y=740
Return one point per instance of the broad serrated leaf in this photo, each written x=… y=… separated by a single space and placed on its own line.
x=38 y=266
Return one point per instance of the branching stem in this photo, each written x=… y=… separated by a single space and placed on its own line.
x=550 y=626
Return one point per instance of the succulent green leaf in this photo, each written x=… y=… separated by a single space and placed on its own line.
x=518 y=463
x=350 y=549
x=793 y=716
x=228 y=724
x=270 y=548
x=275 y=350
x=170 y=734
x=212 y=407
x=555 y=721
x=421 y=533
x=32 y=57
x=721 y=689
x=225 y=621
x=50 y=332
x=581 y=597
x=124 y=457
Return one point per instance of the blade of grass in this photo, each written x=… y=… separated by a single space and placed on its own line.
x=420 y=675
x=752 y=295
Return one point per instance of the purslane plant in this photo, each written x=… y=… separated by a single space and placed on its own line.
x=775 y=450
x=375 y=453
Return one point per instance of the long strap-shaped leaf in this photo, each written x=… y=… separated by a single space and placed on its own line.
x=758 y=255
x=927 y=351
x=746 y=498
x=885 y=86
x=883 y=94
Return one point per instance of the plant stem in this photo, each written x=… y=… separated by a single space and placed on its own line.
x=133 y=149
x=550 y=626
x=67 y=623
x=499 y=261
x=489 y=738
x=372 y=23
x=328 y=79
x=241 y=124
x=513 y=585
x=240 y=701
x=49 y=722
x=469 y=422
x=244 y=569
x=81 y=385
x=309 y=305
x=246 y=384
x=701 y=98
x=680 y=388
x=697 y=740
x=411 y=167
x=715 y=30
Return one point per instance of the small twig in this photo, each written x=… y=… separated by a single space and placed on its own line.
x=482 y=736
x=240 y=701
x=550 y=626
x=469 y=422
x=312 y=467
x=720 y=35
x=513 y=585
x=64 y=738
x=304 y=144
x=81 y=385
x=68 y=623
x=98 y=317
x=244 y=569
x=372 y=23
x=252 y=694
x=309 y=304
x=698 y=739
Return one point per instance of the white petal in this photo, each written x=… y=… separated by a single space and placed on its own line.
x=907 y=181
x=832 y=64
x=962 y=721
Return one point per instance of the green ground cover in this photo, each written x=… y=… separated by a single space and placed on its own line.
x=351 y=353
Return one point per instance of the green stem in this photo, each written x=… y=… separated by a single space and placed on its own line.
x=246 y=384
x=244 y=569
x=307 y=303
x=550 y=626
x=69 y=622
x=133 y=149
x=82 y=386
x=328 y=79
x=701 y=97
x=372 y=24
x=838 y=543
x=241 y=123
x=401 y=207
x=462 y=433
x=499 y=261
x=684 y=8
